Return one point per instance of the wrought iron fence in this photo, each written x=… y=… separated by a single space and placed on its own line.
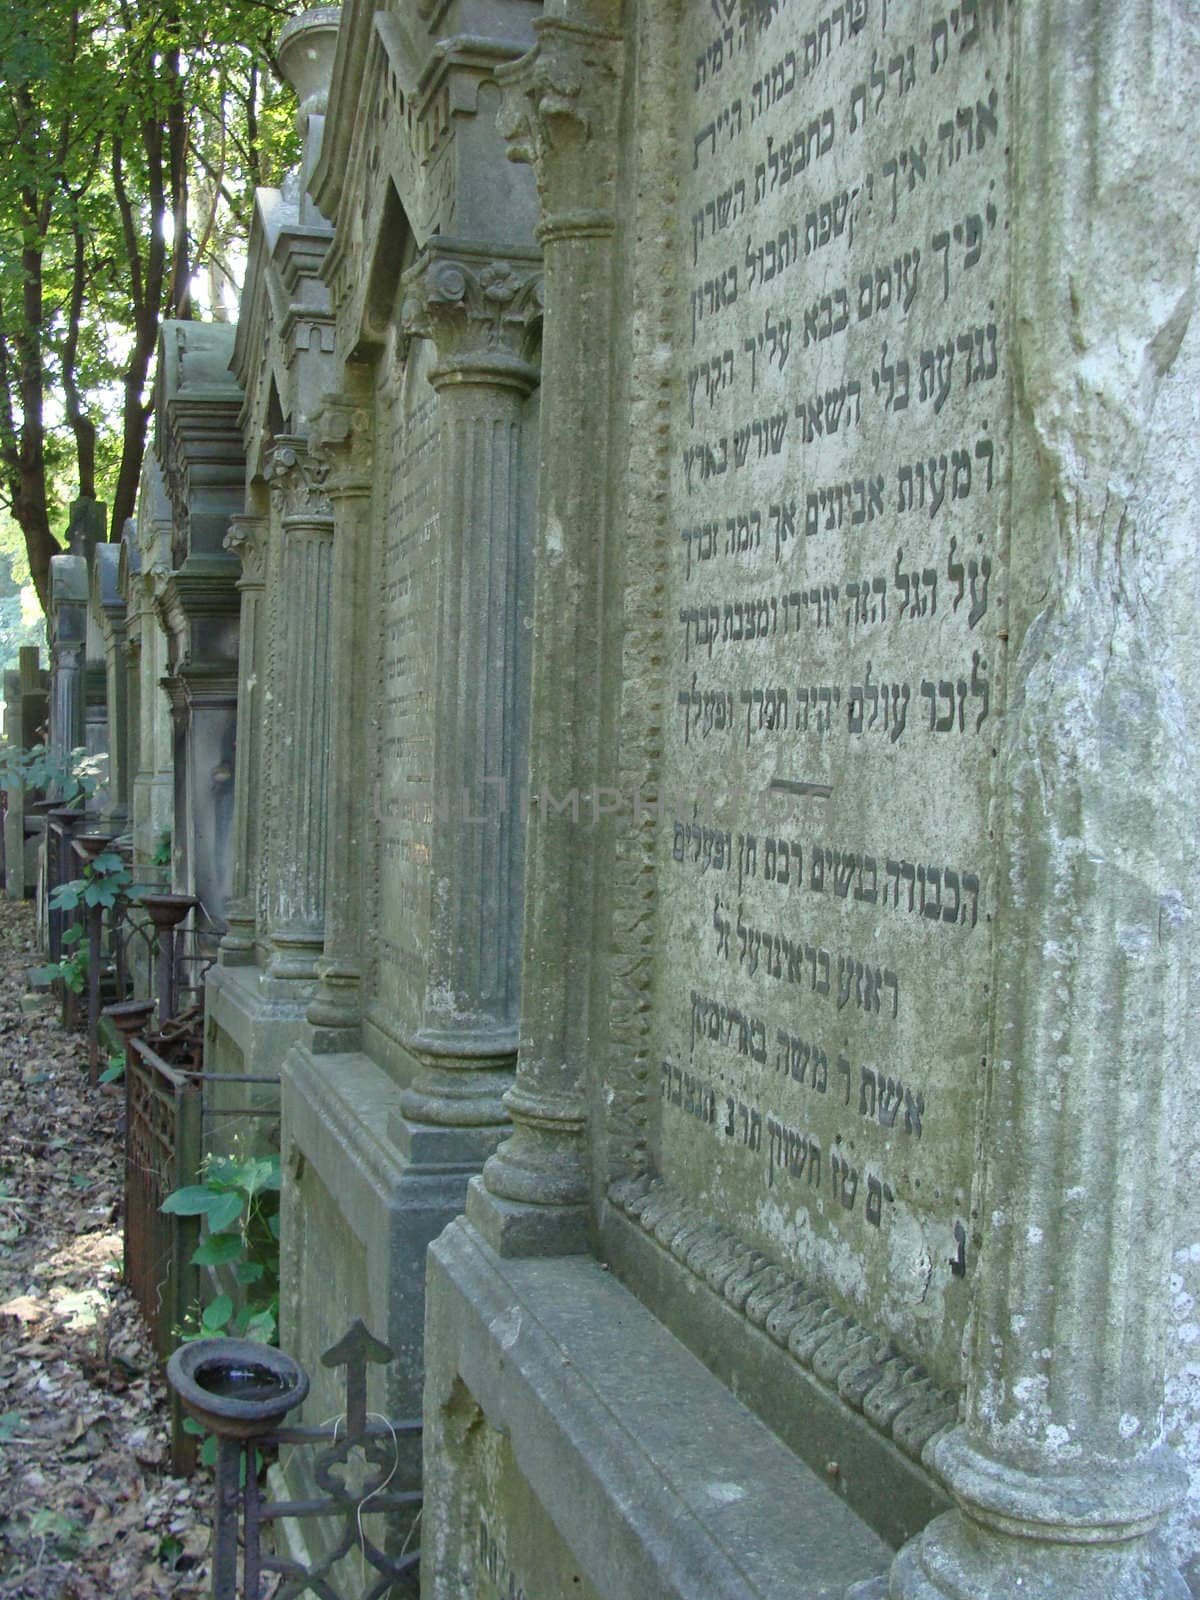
x=163 y=1151
x=241 y=1392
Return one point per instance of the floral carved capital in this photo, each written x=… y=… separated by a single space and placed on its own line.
x=477 y=308
x=297 y=479
x=340 y=443
x=559 y=114
x=247 y=539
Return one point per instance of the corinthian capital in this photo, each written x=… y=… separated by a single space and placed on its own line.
x=340 y=443
x=560 y=110
x=297 y=479
x=247 y=539
x=481 y=310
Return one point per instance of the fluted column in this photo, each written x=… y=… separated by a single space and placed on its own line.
x=1060 y=1469
x=341 y=439
x=247 y=540
x=561 y=113
x=481 y=313
x=299 y=714
x=68 y=634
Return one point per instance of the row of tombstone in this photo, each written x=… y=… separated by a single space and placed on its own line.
x=140 y=695
x=694 y=533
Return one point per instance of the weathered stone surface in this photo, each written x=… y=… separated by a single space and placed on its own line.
x=857 y=1054
x=425 y=445
x=199 y=450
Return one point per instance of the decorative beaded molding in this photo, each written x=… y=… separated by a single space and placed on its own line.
x=862 y=1369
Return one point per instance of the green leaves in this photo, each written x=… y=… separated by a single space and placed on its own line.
x=219 y=1250
x=237 y=1200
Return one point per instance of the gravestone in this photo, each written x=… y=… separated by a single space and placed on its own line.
x=107 y=615
x=393 y=1098
x=25 y=712
x=283 y=534
x=856 y=900
x=199 y=449
x=144 y=567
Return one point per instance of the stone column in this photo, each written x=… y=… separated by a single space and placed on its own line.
x=110 y=610
x=1059 y=1467
x=299 y=713
x=561 y=113
x=68 y=635
x=247 y=540
x=480 y=312
x=341 y=439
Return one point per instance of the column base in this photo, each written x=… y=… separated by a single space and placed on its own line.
x=293 y=961
x=335 y=1011
x=1024 y=1536
x=237 y=946
x=515 y=1228
x=956 y=1559
x=461 y=1080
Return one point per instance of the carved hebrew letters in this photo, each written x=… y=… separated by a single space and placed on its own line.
x=837 y=597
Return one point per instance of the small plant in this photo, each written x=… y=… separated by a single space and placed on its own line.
x=75 y=776
x=239 y=1202
x=71 y=968
x=162 y=850
x=115 y=1070
x=105 y=877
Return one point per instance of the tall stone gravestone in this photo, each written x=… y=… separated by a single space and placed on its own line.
x=199 y=449
x=256 y=997
x=144 y=567
x=25 y=714
x=107 y=617
x=394 y=1097
x=852 y=1017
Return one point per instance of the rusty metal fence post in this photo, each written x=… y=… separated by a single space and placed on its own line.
x=241 y=1392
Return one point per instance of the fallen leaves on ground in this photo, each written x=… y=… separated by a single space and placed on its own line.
x=88 y=1508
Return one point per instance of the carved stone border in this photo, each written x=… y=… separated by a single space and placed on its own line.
x=863 y=1370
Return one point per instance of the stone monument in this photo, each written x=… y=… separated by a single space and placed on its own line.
x=25 y=712
x=107 y=616
x=144 y=567
x=393 y=1098
x=283 y=534
x=827 y=1254
x=199 y=448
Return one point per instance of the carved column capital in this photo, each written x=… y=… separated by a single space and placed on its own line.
x=341 y=442
x=297 y=479
x=247 y=539
x=480 y=310
x=560 y=110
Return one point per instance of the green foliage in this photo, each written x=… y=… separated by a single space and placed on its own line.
x=75 y=777
x=71 y=969
x=239 y=1202
x=162 y=850
x=115 y=1070
x=134 y=138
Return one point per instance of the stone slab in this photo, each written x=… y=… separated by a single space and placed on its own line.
x=589 y=1421
x=840 y=425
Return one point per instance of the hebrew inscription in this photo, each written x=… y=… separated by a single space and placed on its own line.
x=837 y=601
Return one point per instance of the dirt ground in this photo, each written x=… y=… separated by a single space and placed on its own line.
x=88 y=1508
